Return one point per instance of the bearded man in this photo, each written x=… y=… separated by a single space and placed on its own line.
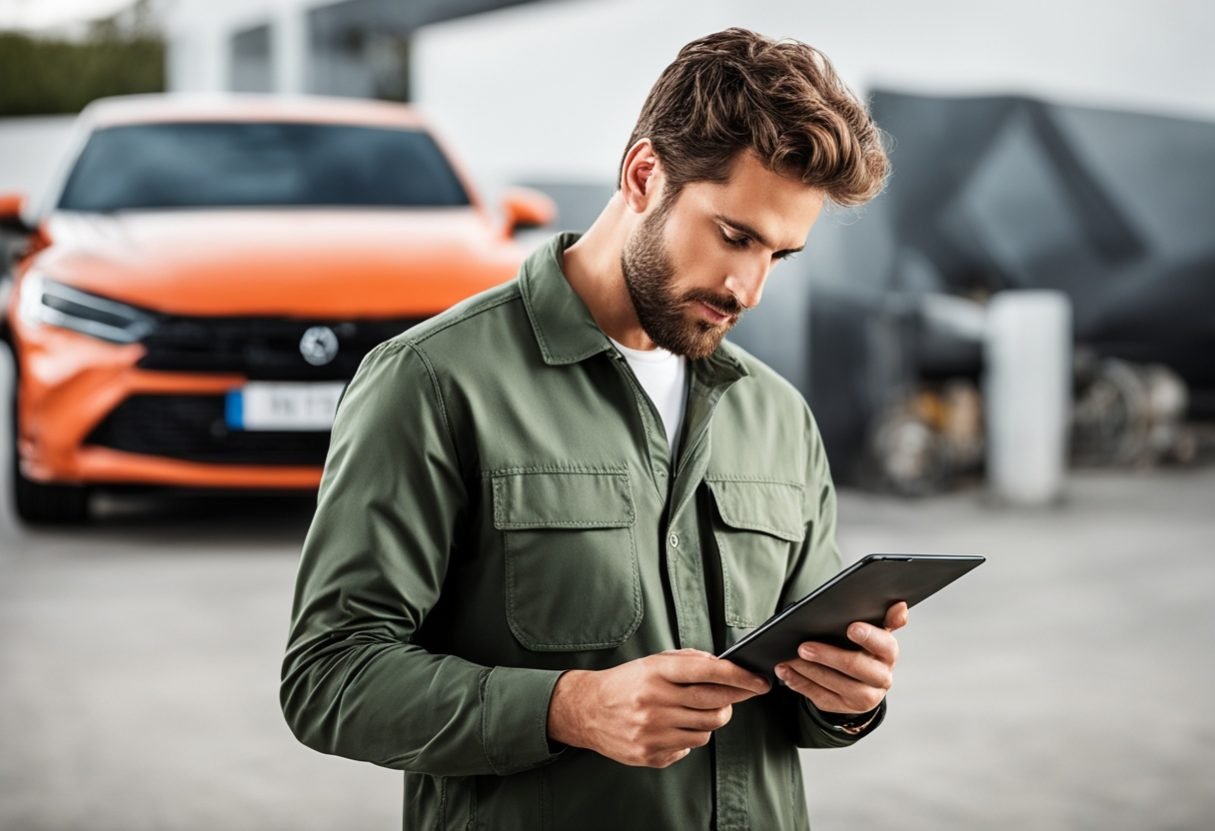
x=545 y=511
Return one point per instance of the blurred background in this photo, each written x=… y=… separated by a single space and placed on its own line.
x=1010 y=352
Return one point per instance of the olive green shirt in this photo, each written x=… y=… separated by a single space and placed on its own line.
x=499 y=505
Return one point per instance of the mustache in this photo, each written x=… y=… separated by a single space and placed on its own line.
x=726 y=304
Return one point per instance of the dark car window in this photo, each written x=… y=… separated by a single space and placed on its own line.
x=217 y=164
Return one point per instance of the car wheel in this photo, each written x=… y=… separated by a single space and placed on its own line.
x=40 y=503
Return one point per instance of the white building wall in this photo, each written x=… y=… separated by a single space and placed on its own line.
x=552 y=90
x=199 y=34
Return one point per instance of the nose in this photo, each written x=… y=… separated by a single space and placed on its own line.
x=747 y=283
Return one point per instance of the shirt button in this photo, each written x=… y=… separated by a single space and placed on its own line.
x=673 y=540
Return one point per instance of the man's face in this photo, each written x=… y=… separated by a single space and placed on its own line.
x=695 y=263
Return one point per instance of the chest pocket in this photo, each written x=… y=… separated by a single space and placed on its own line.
x=572 y=578
x=758 y=529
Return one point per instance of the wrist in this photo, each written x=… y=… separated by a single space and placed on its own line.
x=565 y=712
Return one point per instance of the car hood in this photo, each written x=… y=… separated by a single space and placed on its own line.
x=330 y=263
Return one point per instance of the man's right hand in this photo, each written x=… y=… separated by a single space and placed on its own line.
x=652 y=711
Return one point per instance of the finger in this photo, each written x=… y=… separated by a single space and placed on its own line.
x=875 y=679
x=676 y=740
x=851 y=696
x=671 y=759
x=697 y=696
x=709 y=670
x=874 y=640
x=822 y=697
x=662 y=750
x=857 y=663
x=708 y=696
x=689 y=718
x=896 y=616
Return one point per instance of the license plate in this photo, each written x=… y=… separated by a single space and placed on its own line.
x=282 y=406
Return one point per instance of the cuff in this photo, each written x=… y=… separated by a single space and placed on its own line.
x=835 y=735
x=514 y=718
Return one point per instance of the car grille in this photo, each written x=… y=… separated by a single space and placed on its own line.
x=262 y=348
x=192 y=427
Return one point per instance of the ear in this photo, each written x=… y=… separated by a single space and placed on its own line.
x=641 y=178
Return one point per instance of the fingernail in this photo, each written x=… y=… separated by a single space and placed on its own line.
x=806 y=652
x=782 y=673
x=858 y=633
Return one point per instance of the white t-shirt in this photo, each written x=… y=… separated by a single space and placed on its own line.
x=664 y=377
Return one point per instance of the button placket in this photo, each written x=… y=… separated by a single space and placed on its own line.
x=657 y=449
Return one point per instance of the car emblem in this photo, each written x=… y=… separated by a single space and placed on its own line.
x=319 y=345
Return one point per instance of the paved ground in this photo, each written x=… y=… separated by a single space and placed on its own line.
x=1061 y=686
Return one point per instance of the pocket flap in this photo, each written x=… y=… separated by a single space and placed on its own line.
x=562 y=499
x=771 y=507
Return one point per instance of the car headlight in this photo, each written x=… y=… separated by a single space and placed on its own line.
x=45 y=301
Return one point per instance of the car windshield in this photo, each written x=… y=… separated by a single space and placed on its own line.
x=218 y=164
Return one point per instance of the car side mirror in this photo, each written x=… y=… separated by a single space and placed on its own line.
x=11 y=205
x=18 y=239
x=524 y=208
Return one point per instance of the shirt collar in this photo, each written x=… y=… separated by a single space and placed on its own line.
x=565 y=331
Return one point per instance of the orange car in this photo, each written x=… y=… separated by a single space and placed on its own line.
x=204 y=276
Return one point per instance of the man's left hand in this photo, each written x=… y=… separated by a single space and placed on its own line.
x=843 y=680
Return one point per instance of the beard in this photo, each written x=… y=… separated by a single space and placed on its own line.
x=668 y=319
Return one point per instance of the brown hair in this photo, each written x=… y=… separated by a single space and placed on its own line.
x=737 y=90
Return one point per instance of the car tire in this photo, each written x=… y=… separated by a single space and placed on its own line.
x=41 y=503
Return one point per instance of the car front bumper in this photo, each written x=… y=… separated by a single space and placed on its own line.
x=93 y=412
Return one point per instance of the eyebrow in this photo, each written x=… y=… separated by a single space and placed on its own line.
x=756 y=235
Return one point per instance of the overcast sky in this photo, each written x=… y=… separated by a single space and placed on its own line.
x=36 y=14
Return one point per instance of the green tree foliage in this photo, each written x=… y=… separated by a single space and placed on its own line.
x=41 y=77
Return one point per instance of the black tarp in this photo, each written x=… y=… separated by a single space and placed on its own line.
x=1116 y=209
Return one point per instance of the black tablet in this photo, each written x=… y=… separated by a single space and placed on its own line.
x=863 y=591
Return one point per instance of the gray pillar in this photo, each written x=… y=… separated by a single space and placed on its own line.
x=289 y=40
x=1027 y=395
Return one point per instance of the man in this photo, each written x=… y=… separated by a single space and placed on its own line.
x=544 y=511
